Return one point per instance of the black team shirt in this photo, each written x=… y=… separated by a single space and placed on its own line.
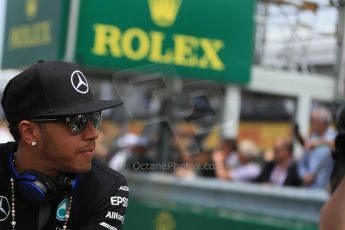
x=99 y=203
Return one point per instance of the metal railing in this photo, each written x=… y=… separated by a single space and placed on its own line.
x=287 y=203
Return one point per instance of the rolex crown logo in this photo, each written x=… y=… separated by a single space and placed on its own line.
x=164 y=12
x=31 y=8
x=165 y=221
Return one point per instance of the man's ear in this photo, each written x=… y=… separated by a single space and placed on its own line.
x=29 y=132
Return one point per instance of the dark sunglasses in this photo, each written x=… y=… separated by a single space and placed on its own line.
x=77 y=123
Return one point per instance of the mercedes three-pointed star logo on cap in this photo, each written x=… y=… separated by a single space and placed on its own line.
x=79 y=82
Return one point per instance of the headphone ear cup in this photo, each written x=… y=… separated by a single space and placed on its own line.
x=46 y=188
x=34 y=186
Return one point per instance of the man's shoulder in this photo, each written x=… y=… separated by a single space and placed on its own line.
x=102 y=175
x=104 y=170
x=101 y=192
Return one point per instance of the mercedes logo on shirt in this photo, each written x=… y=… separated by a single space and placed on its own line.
x=79 y=82
x=4 y=208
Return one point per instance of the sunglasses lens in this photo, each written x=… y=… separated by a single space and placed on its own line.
x=96 y=119
x=79 y=122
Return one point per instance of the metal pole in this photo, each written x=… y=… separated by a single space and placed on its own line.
x=260 y=35
x=2 y=27
x=232 y=110
x=340 y=68
x=71 y=38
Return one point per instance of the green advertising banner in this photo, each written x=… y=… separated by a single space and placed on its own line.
x=155 y=216
x=202 y=39
x=34 y=30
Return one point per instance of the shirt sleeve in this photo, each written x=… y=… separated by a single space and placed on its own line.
x=313 y=161
x=111 y=212
x=321 y=156
x=245 y=173
x=302 y=165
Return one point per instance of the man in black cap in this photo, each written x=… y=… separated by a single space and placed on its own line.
x=48 y=179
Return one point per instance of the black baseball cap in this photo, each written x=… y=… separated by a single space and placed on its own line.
x=50 y=89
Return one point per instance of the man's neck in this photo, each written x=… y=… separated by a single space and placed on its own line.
x=28 y=160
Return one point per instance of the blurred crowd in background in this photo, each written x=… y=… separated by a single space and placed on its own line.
x=134 y=147
x=231 y=159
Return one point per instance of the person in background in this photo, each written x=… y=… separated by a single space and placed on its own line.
x=248 y=167
x=138 y=159
x=283 y=169
x=185 y=152
x=228 y=147
x=332 y=213
x=316 y=164
x=133 y=154
x=338 y=171
x=125 y=143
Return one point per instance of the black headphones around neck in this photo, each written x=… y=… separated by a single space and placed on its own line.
x=39 y=188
